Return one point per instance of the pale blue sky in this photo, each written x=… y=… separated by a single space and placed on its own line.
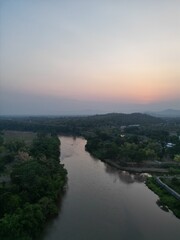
x=105 y=51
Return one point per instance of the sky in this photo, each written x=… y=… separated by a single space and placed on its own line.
x=86 y=57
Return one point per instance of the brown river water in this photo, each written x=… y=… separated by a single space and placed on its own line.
x=102 y=203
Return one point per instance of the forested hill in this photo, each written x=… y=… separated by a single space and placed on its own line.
x=75 y=124
x=124 y=119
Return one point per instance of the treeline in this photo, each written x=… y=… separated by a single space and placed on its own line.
x=123 y=149
x=132 y=145
x=9 y=151
x=30 y=197
x=75 y=125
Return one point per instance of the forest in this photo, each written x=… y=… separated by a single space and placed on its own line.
x=33 y=177
x=123 y=138
x=76 y=125
x=33 y=181
x=135 y=144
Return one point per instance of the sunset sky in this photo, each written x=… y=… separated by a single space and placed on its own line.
x=76 y=57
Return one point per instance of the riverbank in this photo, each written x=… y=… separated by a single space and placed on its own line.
x=140 y=169
x=165 y=199
x=29 y=197
x=106 y=202
x=135 y=169
x=106 y=152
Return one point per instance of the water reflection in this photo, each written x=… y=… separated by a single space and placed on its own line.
x=102 y=202
x=162 y=206
x=50 y=223
x=124 y=176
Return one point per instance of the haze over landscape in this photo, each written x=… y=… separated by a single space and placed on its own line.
x=85 y=57
x=89 y=119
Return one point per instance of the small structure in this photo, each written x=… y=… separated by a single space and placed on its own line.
x=169 y=145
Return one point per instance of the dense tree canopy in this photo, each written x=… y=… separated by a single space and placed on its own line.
x=30 y=196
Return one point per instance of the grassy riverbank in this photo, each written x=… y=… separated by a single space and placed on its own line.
x=165 y=199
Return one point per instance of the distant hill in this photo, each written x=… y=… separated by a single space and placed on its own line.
x=170 y=113
x=75 y=123
x=124 y=119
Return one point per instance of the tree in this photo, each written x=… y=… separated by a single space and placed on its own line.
x=177 y=158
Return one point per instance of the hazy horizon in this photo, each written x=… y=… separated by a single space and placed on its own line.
x=88 y=57
x=28 y=104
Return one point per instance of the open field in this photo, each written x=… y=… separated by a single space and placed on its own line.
x=19 y=135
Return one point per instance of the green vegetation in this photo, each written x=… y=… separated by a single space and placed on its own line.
x=28 y=197
x=172 y=182
x=128 y=141
x=75 y=125
x=14 y=147
x=174 y=171
x=135 y=146
x=165 y=198
x=123 y=148
x=27 y=137
x=177 y=157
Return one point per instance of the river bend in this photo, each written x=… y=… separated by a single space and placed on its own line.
x=102 y=203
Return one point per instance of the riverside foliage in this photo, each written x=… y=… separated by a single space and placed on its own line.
x=29 y=198
x=165 y=199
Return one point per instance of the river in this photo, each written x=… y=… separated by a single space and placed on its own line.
x=102 y=203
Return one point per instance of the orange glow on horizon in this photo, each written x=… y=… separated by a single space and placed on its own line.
x=136 y=86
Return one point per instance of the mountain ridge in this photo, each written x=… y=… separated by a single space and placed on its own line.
x=165 y=113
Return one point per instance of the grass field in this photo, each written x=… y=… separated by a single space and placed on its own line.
x=18 y=135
